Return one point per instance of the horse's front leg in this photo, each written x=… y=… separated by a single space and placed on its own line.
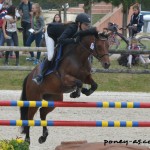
x=77 y=92
x=43 y=113
x=73 y=83
x=93 y=84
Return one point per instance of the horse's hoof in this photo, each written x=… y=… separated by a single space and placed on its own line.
x=74 y=95
x=85 y=91
x=27 y=140
x=42 y=139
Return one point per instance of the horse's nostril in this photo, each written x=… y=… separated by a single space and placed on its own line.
x=106 y=65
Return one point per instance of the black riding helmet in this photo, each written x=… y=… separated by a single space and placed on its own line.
x=83 y=18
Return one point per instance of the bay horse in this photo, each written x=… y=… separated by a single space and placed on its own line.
x=73 y=71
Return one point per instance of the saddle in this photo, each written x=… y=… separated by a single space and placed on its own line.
x=54 y=63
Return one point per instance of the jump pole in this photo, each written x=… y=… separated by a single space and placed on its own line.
x=76 y=104
x=75 y=123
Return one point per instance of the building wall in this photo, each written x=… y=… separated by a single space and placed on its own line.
x=116 y=17
x=97 y=8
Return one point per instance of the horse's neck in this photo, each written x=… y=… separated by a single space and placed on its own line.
x=79 y=52
x=84 y=47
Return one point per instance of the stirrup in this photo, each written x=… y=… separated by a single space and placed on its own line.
x=38 y=80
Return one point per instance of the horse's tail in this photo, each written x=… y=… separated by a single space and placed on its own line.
x=24 y=110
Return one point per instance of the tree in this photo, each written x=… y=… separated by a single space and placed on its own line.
x=145 y=4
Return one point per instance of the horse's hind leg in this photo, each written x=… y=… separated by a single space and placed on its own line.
x=31 y=113
x=43 y=113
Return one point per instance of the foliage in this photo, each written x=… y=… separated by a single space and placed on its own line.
x=96 y=17
x=126 y=4
x=145 y=5
x=57 y=3
x=17 y=144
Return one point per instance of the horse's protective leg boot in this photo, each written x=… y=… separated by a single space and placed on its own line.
x=76 y=93
x=43 y=138
x=88 y=92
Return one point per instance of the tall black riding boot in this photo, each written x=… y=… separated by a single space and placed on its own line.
x=39 y=78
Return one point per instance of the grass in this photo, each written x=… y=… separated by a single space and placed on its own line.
x=97 y=17
x=107 y=82
x=143 y=42
x=122 y=82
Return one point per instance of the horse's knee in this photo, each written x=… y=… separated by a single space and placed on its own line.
x=79 y=84
x=94 y=86
x=88 y=92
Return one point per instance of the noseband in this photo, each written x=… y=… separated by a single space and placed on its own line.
x=91 y=51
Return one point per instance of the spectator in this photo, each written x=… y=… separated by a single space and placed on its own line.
x=57 y=18
x=10 y=32
x=4 y=5
x=136 y=21
x=7 y=3
x=36 y=31
x=2 y=11
x=26 y=15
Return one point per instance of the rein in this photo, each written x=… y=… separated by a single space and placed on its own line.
x=92 y=50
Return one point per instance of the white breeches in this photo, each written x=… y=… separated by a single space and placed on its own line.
x=1 y=5
x=142 y=59
x=50 y=46
x=130 y=59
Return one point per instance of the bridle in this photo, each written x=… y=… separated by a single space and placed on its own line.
x=91 y=51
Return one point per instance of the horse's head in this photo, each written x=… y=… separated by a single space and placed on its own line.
x=96 y=44
x=101 y=51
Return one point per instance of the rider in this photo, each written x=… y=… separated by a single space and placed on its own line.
x=136 y=21
x=82 y=22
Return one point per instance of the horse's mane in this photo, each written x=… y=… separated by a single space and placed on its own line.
x=68 y=22
x=90 y=31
